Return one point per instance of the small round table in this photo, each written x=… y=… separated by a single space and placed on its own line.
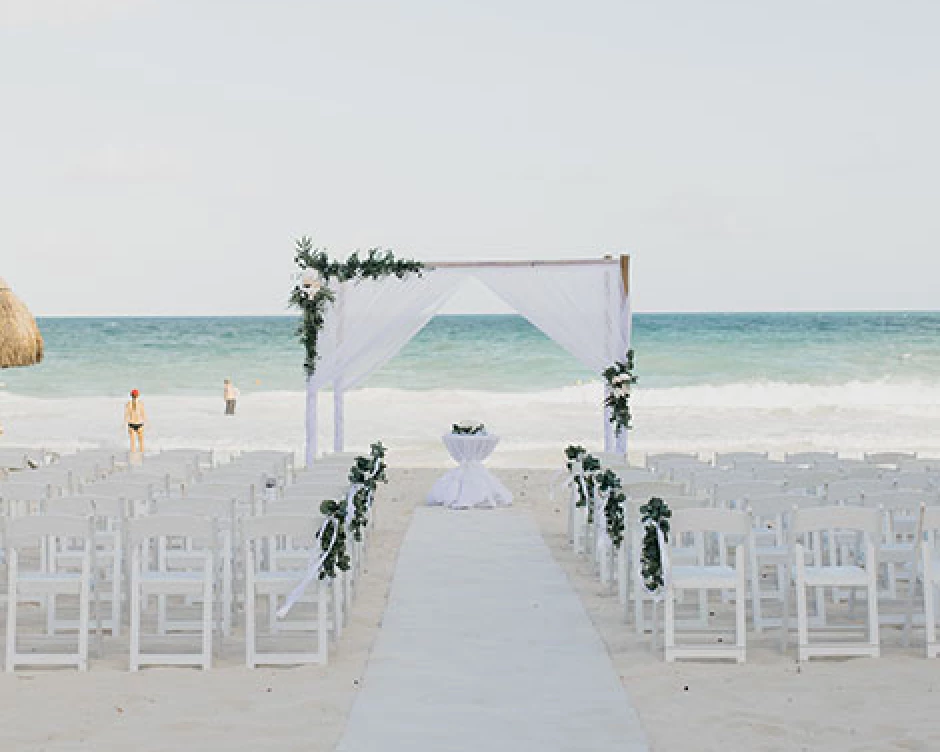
x=469 y=484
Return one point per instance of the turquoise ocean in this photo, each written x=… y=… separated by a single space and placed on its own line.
x=778 y=382
x=502 y=353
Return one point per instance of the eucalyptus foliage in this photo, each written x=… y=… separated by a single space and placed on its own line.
x=654 y=515
x=620 y=380
x=610 y=489
x=365 y=475
x=584 y=466
x=313 y=303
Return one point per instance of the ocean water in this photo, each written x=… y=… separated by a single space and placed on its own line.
x=848 y=381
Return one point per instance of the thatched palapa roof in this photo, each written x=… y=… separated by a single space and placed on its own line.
x=20 y=340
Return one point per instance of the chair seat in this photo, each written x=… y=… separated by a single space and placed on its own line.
x=280 y=583
x=172 y=583
x=47 y=583
x=703 y=577
x=903 y=552
x=836 y=576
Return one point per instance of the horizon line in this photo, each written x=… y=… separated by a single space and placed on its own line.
x=478 y=313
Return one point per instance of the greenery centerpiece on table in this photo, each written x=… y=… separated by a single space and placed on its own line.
x=468 y=428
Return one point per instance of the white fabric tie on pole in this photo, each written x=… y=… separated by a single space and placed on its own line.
x=314 y=567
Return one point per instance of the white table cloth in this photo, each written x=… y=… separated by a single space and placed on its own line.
x=469 y=484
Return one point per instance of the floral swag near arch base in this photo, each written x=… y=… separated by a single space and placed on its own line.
x=620 y=380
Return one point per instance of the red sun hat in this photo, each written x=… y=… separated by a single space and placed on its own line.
x=135 y=393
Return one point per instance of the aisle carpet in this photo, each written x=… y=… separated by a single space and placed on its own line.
x=486 y=647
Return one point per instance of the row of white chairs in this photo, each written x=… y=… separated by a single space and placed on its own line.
x=769 y=504
x=233 y=507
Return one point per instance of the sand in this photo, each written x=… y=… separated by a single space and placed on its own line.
x=767 y=704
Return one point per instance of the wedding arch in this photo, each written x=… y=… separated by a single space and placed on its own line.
x=583 y=305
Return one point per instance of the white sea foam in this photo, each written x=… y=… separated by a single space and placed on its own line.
x=534 y=426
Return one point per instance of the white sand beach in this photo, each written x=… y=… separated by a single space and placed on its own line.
x=769 y=703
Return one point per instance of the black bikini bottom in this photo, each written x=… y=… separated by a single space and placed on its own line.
x=135 y=426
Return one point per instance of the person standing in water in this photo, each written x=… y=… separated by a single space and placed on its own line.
x=136 y=418
x=230 y=394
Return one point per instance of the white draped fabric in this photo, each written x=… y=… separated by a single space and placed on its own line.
x=470 y=484
x=370 y=322
x=582 y=306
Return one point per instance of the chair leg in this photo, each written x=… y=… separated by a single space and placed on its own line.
x=207 y=603
x=740 y=604
x=785 y=618
x=930 y=617
x=250 y=605
x=801 y=619
x=11 y=611
x=755 y=592
x=84 y=607
x=669 y=625
x=323 y=636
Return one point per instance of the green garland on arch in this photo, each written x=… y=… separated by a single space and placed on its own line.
x=312 y=293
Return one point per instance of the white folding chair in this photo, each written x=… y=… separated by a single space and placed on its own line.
x=807 y=527
x=734 y=459
x=154 y=578
x=809 y=459
x=189 y=554
x=266 y=577
x=36 y=533
x=897 y=546
x=770 y=516
x=705 y=575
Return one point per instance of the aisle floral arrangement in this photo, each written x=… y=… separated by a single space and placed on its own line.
x=350 y=515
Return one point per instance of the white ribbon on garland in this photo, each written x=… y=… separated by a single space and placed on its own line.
x=314 y=568
x=315 y=565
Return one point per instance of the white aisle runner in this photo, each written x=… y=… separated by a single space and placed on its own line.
x=485 y=647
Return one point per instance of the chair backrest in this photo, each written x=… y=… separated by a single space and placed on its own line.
x=113 y=489
x=726 y=521
x=243 y=492
x=273 y=525
x=321 y=475
x=893 y=501
x=99 y=506
x=929 y=519
x=647 y=489
x=723 y=492
x=851 y=490
x=809 y=458
x=913 y=481
x=29 y=531
x=812 y=480
x=198 y=506
x=920 y=465
x=730 y=459
x=655 y=461
x=16 y=490
x=309 y=507
x=815 y=519
x=889 y=458
x=145 y=528
x=782 y=503
x=319 y=492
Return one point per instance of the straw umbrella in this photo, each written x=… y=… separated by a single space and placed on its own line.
x=20 y=340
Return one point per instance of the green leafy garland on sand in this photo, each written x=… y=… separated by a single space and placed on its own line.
x=620 y=380
x=312 y=293
x=654 y=514
x=367 y=473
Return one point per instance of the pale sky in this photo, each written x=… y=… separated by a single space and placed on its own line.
x=159 y=156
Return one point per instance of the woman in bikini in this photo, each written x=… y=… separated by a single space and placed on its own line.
x=136 y=418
